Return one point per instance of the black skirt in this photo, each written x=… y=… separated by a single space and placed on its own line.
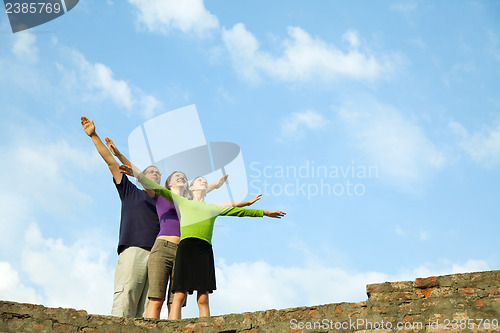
x=194 y=267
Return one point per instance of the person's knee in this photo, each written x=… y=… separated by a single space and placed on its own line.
x=156 y=302
x=202 y=300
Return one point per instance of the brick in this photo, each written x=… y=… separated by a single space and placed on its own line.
x=426 y=282
x=467 y=291
x=296 y=330
x=442 y=328
x=380 y=288
x=443 y=292
x=402 y=286
x=436 y=317
x=61 y=328
x=424 y=293
x=460 y=316
x=15 y=324
x=38 y=326
x=493 y=290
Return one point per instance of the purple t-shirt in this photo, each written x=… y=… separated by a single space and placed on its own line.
x=139 y=222
x=169 y=220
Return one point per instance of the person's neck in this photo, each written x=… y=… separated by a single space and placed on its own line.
x=176 y=190
x=198 y=195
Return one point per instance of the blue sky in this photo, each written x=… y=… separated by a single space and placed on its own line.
x=405 y=89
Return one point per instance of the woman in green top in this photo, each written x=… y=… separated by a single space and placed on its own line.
x=194 y=264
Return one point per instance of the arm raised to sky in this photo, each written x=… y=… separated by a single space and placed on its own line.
x=89 y=128
x=112 y=148
x=124 y=160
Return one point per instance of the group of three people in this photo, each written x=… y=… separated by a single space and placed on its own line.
x=165 y=235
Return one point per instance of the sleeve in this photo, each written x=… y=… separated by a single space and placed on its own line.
x=240 y=212
x=158 y=189
x=125 y=187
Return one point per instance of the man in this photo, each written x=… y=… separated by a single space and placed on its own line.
x=139 y=227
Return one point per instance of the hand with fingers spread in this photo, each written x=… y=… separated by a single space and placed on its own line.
x=130 y=171
x=221 y=181
x=88 y=126
x=274 y=213
x=253 y=200
x=111 y=146
x=217 y=184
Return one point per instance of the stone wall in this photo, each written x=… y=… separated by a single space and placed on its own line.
x=453 y=303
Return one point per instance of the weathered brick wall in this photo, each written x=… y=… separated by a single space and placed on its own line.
x=453 y=303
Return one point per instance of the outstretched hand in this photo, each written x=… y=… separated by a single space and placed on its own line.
x=252 y=201
x=274 y=213
x=88 y=126
x=221 y=181
x=126 y=169
x=111 y=146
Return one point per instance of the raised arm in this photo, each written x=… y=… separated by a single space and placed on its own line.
x=112 y=148
x=241 y=203
x=217 y=184
x=124 y=160
x=89 y=128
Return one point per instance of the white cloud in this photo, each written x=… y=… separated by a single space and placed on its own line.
x=80 y=81
x=304 y=58
x=41 y=182
x=44 y=184
x=351 y=36
x=118 y=90
x=24 y=46
x=101 y=84
x=149 y=105
x=163 y=16
x=11 y=287
x=74 y=276
x=404 y=7
x=37 y=173
x=482 y=147
x=100 y=77
x=443 y=267
x=298 y=122
x=398 y=146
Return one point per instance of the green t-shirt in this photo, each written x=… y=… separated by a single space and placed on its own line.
x=196 y=217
